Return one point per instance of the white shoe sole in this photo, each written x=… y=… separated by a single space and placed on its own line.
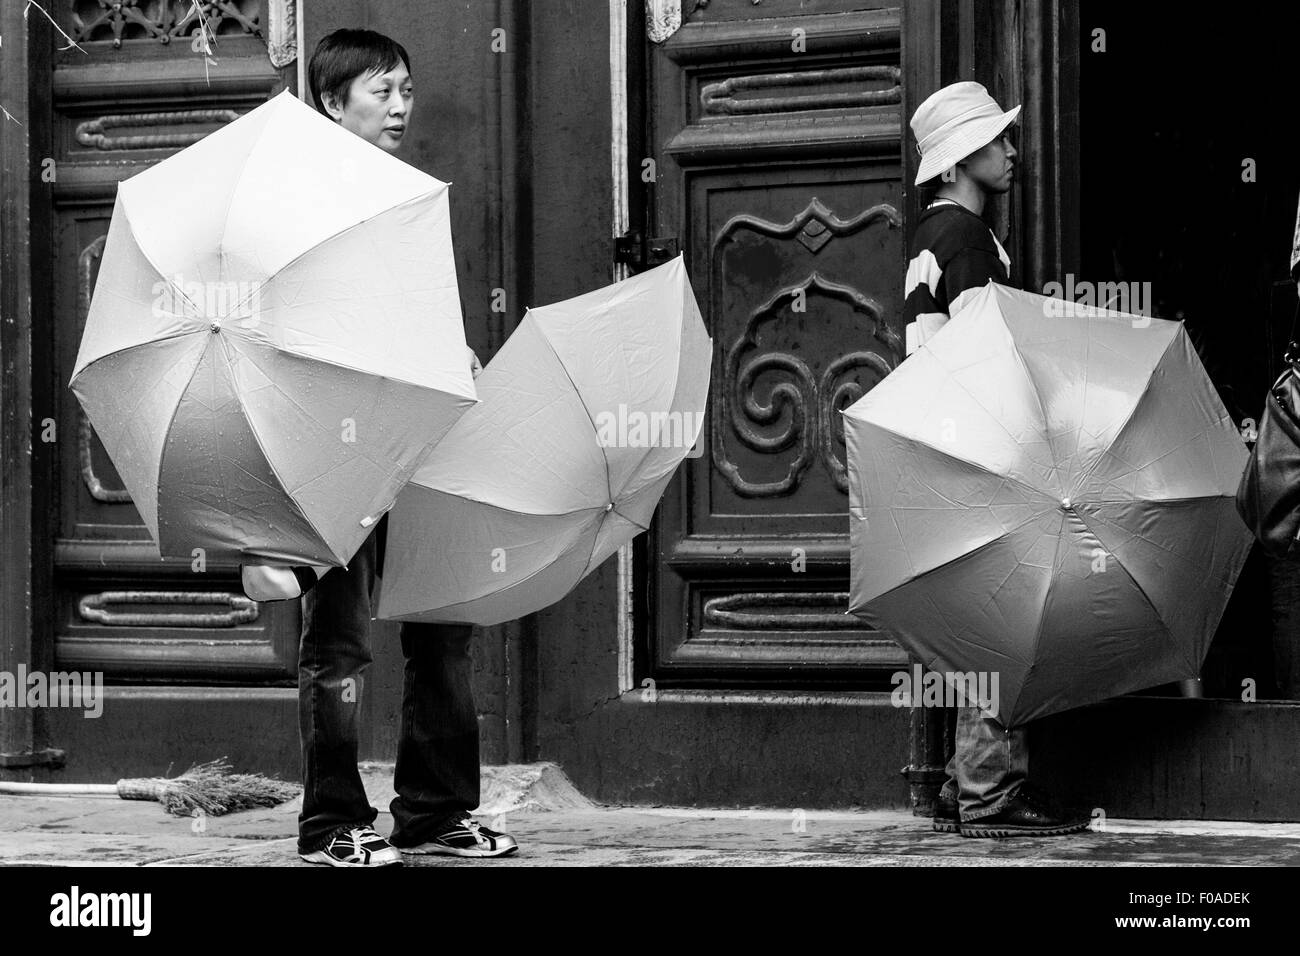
x=320 y=856
x=434 y=849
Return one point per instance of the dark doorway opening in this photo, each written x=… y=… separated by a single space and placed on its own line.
x=1190 y=174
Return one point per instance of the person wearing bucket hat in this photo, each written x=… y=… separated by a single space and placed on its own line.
x=961 y=134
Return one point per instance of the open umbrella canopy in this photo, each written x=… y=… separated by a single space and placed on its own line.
x=275 y=339
x=1049 y=498
x=585 y=414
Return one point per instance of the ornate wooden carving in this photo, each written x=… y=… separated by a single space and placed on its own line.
x=282 y=32
x=817 y=106
x=835 y=396
x=851 y=32
x=86 y=266
x=96 y=132
x=98 y=490
x=161 y=20
x=720 y=99
x=762 y=611
x=815 y=221
x=663 y=18
x=812 y=402
x=239 y=609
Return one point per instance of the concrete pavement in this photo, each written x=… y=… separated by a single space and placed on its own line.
x=556 y=826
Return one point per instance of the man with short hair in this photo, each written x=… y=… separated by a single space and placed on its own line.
x=961 y=133
x=362 y=80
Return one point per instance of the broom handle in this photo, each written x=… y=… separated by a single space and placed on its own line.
x=79 y=789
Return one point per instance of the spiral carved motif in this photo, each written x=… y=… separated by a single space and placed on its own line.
x=772 y=401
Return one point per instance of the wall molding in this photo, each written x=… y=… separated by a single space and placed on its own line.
x=752 y=610
x=865 y=32
x=96 y=609
x=96 y=133
x=791 y=136
x=246 y=78
x=720 y=99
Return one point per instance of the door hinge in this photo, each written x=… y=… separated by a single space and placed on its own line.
x=639 y=253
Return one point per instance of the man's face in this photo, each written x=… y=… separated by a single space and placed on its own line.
x=378 y=107
x=991 y=167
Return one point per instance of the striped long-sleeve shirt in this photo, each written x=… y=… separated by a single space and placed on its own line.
x=954 y=255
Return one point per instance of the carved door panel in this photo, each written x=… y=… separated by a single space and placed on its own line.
x=137 y=94
x=776 y=136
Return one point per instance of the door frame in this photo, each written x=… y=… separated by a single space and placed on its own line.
x=27 y=474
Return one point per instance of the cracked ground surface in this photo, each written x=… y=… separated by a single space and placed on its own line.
x=43 y=831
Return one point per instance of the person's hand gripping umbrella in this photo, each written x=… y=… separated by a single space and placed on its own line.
x=275 y=340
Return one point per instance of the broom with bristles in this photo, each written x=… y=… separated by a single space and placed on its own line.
x=209 y=789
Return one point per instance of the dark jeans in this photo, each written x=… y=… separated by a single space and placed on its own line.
x=437 y=774
x=987 y=767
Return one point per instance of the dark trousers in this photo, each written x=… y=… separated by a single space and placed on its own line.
x=437 y=774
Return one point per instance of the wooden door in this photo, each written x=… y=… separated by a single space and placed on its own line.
x=784 y=165
x=776 y=139
x=194 y=669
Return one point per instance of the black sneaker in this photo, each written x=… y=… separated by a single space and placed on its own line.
x=1030 y=812
x=360 y=846
x=947 y=815
x=465 y=836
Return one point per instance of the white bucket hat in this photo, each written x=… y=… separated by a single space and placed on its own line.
x=954 y=122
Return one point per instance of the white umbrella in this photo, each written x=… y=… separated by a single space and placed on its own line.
x=275 y=339
x=1049 y=499
x=585 y=414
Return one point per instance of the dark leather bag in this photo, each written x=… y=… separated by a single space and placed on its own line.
x=1268 y=498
